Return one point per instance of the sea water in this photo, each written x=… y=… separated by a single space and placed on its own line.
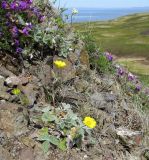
x=102 y=14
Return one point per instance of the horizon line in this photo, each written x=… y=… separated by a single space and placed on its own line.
x=108 y=7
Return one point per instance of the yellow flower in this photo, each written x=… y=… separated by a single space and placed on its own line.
x=89 y=122
x=59 y=64
x=16 y=91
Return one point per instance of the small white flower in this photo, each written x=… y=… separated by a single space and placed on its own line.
x=70 y=49
x=31 y=56
x=74 y=11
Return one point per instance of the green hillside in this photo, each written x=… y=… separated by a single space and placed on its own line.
x=125 y=36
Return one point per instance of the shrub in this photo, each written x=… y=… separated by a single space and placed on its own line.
x=28 y=29
x=18 y=20
x=64 y=128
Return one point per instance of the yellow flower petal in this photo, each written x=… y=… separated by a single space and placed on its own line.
x=16 y=91
x=89 y=122
x=59 y=64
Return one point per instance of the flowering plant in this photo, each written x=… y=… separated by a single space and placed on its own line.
x=27 y=29
x=18 y=19
x=64 y=128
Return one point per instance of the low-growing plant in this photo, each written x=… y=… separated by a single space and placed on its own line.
x=104 y=64
x=28 y=29
x=90 y=44
x=63 y=128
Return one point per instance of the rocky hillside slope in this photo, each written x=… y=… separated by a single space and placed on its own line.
x=121 y=131
x=42 y=107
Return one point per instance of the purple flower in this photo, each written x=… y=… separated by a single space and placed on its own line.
x=29 y=25
x=29 y=1
x=19 y=5
x=42 y=18
x=121 y=72
x=4 y=4
x=109 y=56
x=8 y=15
x=138 y=88
x=16 y=42
x=14 y=5
x=23 y=5
x=131 y=77
x=14 y=31
x=19 y=50
x=36 y=11
x=25 y=31
x=8 y=24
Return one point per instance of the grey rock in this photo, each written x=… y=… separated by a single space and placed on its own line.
x=128 y=137
x=45 y=74
x=4 y=154
x=13 y=122
x=98 y=100
x=4 y=72
x=26 y=154
x=81 y=85
x=30 y=93
x=67 y=73
x=3 y=138
x=4 y=95
x=12 y=81
x=39 y=154
x=110 y=97
x=2 y=80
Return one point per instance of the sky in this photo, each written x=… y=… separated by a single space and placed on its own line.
x=103 y=3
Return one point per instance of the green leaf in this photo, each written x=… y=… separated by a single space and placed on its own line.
x=62 y=125
x=48 y=117
x=45 y=146
x=21 y=21
x=50 y=138
x=44 y=131
x=54 y=140
x=81 y=132
x=44 y=137
x=62 y=145
x=46 y=109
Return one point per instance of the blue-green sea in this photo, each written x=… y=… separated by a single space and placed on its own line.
x=103 y=14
